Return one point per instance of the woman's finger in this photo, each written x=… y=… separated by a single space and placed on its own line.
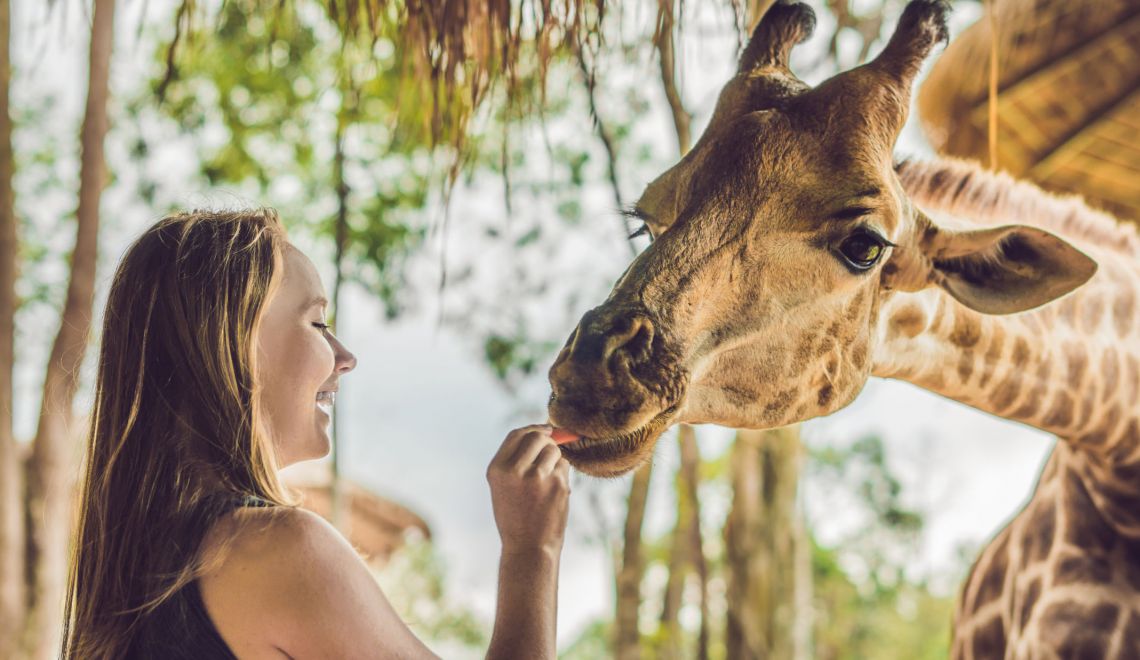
x=510 y=446
x=529 y=448
x=547 y=459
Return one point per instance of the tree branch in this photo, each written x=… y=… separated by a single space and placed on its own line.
x=663 y=41
x=589 y=80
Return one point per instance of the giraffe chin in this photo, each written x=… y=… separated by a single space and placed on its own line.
x=617 y=455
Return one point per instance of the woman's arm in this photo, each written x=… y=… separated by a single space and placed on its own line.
x=530 y=489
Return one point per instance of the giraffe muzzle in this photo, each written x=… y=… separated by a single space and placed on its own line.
x=618 y=384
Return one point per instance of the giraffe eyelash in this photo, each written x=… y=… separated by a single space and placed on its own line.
x=639 y=215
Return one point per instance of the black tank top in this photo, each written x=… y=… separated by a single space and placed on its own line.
x=180 y=628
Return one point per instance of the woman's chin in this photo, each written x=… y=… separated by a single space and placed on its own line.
x=318 y=448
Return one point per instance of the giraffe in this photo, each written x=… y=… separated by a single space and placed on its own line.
x=793 y=259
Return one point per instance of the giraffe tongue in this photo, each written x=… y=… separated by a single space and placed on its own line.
x=563 y=437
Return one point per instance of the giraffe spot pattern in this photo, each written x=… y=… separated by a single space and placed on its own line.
x=855 y=308
x=859 y=355
x=1077 y=630
x=1127 y=444
x=965 y=366
x=1039 y=533
x=805 y=350
x=993 y=353
x=909 y=321
x=992 y=582
x=1082 y=569
x=780 y=402
x=1036 y=395
x=1131 y=569
x=739 y=396
x=1005 y=393
x=1086 y=410
x=1130 y=638
x=1084 y=527
x=1129 y=473
x=1092 y=310
x=1060 y=415
x=1132 y=378
x=967 y=330
x=1110 y=370
x=825 y=395
x=1076 y=361
x=989 y=640
x=1123 y=315
x=1028 y=600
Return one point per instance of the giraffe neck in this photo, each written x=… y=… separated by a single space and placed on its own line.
x=1071 y=367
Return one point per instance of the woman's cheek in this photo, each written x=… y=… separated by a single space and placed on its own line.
x=323 y=358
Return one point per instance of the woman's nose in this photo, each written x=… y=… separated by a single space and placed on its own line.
x=345 y=360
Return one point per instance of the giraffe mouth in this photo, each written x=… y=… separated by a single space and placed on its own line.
x=615 y=455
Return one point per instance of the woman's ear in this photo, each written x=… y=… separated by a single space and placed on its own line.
x=1000 y=270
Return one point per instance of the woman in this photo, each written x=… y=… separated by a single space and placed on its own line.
x=216 y=370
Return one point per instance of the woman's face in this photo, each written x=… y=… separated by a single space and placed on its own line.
x=299 y=363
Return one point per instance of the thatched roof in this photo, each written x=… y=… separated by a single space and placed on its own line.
x=377 y=527
x=1068 y=102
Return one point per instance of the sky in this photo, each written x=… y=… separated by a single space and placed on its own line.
x=422 y=415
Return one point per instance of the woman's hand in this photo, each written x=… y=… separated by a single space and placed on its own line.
x=530 y=491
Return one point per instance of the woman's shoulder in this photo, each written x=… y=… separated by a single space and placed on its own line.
x=285 y=581
x=264 y=567
x=252 y=540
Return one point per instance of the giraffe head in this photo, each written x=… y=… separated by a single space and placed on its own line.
x=776 y=238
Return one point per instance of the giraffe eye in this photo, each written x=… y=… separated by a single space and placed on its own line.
x=861 y=250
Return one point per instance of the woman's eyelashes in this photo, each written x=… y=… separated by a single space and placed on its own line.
x=324 y=327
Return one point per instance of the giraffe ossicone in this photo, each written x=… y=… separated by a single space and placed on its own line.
x=793 y=259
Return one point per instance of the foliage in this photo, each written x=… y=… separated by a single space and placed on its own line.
x=872 y=608
x=904 y=620
x=592 y=643
x=274 y=102
x=415 y=583
x=890 y=530
x=452 y=52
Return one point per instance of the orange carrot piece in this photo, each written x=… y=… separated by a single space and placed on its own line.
x=562 y=436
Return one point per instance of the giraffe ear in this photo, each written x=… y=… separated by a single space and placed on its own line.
x=1004 y=270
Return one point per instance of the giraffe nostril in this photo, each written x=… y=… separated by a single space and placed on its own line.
x=640 y=346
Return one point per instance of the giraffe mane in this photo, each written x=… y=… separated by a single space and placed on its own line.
x=964 y=189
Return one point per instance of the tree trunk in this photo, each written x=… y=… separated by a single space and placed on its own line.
x=761 y=537
x=627 y=638
x=51 y=466
x=12 y=582
x=690 y=470
x=686 y=556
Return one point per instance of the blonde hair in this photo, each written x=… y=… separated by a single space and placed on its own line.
x=176 y=430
